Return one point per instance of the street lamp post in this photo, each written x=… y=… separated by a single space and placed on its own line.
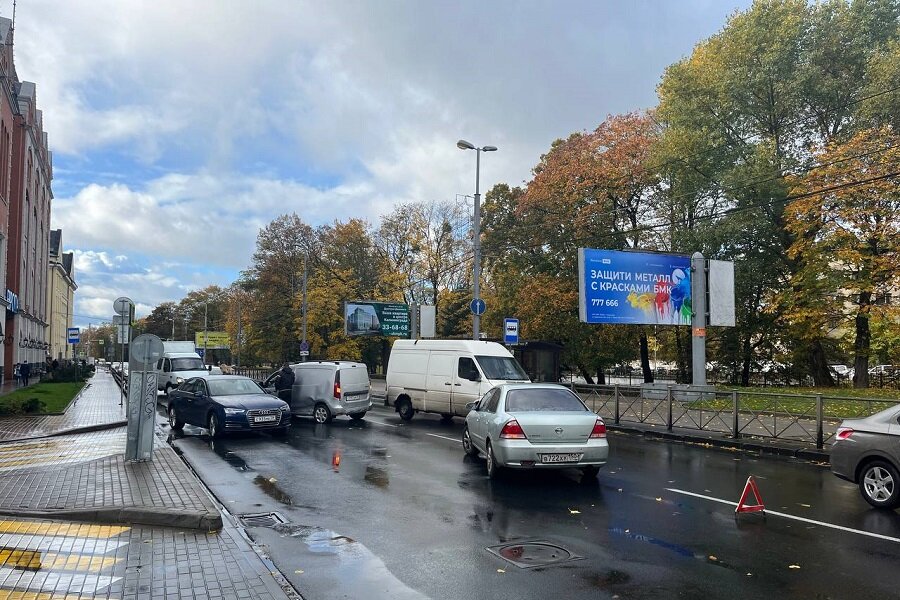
x=476 y=218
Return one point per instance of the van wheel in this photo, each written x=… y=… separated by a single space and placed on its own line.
x=321 y=414
x=358 y=416
x=405 y=409
x=468 y=446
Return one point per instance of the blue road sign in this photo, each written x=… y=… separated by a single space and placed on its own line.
x=477 y=306
x=510 y=331
x=200 y=352
x=304 y=346
x=74 y=335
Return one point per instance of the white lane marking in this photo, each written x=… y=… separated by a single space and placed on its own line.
x=380 y=423
x=794 y=517
x=444 y=437
x=77 y=545
x=36 y=582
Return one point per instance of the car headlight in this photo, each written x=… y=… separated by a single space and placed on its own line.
x=179 y=380
x=234 y=411
x=285 y=408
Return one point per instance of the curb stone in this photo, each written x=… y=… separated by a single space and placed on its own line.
x=127 y=516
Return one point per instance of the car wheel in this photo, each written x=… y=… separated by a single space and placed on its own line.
x=213 y=426
x=321 y=413
x=590 y=472
x=879 y=484
x=405 y=409
x=174 y=422
x=493 y=469
x=468 y=446
x=168 y=389
x=358 y=416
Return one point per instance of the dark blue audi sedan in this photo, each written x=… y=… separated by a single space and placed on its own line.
x=223 y=403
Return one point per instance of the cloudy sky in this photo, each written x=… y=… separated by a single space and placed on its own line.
x=180 y=127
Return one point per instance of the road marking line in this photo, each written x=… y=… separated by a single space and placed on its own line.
x=64 y=529
x=444 y=437
x=380 y=423
x=14 y=595
x=32 y=560
x=794 y=517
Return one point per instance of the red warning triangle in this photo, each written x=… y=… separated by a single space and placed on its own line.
x=745 y=508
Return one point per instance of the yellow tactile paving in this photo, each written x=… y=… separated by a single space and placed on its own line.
x=13 y=595
x=33 y=560
x=82 y=530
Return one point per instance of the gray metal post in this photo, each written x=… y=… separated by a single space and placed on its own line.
x=413 y=321
x=820 y=431
x=305 y=273
x=616 y=394
x=735 y=425
x=698 y=318
x=669 y=400
x=476 y=228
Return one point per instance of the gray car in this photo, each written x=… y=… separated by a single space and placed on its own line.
x=535 y=426
x=867 y=453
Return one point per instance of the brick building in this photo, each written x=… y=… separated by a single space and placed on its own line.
x=27 y=239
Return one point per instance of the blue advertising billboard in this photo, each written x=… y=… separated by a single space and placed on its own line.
x=636 y=288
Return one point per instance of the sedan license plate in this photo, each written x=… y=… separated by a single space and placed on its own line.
x=561 y=458
x=266 y=419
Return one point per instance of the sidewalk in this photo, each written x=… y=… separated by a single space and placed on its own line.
x=84 y=476
x=97 y=406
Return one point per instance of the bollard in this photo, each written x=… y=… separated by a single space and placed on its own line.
x=669 y=399
x=616 y=402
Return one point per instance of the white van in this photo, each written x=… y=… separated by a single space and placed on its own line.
x=327 y=389
x=179 y=363
x=442 y=376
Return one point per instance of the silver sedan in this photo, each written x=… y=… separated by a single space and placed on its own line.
x=534 y=425
x=867 y=453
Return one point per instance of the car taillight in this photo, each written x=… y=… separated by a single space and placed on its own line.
x=512 y=431
x=337 y=390
x=844 y=432
x=599 y=429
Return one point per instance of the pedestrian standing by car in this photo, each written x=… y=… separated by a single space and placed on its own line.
x=285 y=382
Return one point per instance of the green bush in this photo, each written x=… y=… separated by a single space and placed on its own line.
x=19 y=406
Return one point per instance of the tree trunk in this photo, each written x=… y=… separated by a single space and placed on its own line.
x=587 y=376
x=601 y=376
x=684 y=374
x=863 y=341
x=645 y=359
x=818 y=366
x=747 y=358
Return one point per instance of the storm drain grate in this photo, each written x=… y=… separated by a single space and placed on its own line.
x=533 y=553
x=269 y=519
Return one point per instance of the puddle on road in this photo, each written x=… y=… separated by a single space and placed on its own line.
x=377 y=477
x=230 y=457
x=271 y=488
x=681 y=550
x=356 y=567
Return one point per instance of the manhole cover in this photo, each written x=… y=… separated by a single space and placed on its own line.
x=269 y=519
x=537 y=553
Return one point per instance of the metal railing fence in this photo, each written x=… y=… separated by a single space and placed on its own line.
x=807 y=418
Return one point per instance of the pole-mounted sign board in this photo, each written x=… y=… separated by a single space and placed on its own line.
x=376 y=318
x=510 y=331
x=74 y=335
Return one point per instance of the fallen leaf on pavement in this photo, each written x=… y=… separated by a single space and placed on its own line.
x=805 y=505
x=272 y=480
x=299 y=572
x=572 y=511
x=659 y=499
x=711 y=557
x=793 y=566
x=501 y=571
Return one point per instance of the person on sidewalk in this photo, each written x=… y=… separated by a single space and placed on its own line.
x=25 y=370
x=285 y=382
x=17 y=373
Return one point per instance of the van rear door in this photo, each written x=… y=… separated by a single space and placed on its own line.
x=439 y=382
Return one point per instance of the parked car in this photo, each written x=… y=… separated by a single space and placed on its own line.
x=882 y=370
x=327 y=389
x=867 y=452
x=224 y=403
x=535 y=425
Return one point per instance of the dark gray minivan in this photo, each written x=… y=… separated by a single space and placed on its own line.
x=327 y=389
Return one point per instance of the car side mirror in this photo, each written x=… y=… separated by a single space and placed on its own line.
x=474 y=376
x=472 y=405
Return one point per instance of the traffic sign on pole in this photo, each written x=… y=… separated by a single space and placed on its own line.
x=477 y=306
x=510 y=331
x=74 y=335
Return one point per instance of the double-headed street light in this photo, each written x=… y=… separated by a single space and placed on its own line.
x=476 y=317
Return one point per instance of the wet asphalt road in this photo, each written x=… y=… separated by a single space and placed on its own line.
x=404 y=514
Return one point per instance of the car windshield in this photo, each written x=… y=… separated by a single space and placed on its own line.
x=233 y=387
x=543 y=399
x=187 y=364
x=501 y=367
